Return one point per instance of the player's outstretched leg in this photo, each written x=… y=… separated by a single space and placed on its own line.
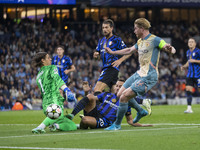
x=147 y=104
x=140 y=115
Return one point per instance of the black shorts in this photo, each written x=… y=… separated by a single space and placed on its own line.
x=109 y=76
x=193 y=81
x=102 y=122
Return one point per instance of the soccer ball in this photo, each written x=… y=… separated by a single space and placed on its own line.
x=53 y=111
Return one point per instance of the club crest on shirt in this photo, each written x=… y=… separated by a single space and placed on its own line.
x=147 y=44
x=55 y=71
x=114 y=100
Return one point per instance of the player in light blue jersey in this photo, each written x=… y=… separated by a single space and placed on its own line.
x=148 y=47
x=193 y=75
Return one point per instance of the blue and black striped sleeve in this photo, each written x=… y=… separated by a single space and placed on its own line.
x=101 y=97
x=98 y=46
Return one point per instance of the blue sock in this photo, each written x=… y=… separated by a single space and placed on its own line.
x=132 y=102
x=122 y=109
x=189 y=98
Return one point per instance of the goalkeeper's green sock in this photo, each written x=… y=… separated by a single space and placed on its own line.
x=65 y=124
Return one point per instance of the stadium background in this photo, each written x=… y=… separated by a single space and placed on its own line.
x=28 y=28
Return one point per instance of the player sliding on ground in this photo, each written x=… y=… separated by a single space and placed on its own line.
x=49 y=82
x=100 y=111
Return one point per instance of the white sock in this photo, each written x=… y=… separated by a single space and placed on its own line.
x=42 y=125
x=189 y=107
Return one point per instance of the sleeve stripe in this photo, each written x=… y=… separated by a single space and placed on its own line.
x=162 y=44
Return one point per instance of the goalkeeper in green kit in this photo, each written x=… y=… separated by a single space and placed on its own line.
x=49 y=83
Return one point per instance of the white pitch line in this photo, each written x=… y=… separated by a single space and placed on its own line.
x=10 y=147
x=96 y=132
x=124 y=124
x=18 y=124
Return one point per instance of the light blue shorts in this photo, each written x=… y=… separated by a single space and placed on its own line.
x=138 y=84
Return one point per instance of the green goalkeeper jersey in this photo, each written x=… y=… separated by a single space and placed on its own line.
x=49 y=82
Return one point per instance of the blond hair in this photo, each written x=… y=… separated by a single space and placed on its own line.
x=143 y=23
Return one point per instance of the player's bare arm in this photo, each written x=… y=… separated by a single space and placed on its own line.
x=185 y=66
x=168 y=48
x=125 y=51
x=72 y=69
x=194 y=61
x=86 y=87
x=119 y=61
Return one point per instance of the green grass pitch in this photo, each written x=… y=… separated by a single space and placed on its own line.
x=172 y=130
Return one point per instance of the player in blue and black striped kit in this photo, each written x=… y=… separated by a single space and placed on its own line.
x=63 y=63
x=100 y=111
x=109 y=74
x=193 y=75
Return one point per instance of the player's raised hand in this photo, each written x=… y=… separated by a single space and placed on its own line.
x=86 y=86
x=96 y=55
x=108 y=50
x=182 y=68
x=169 y=48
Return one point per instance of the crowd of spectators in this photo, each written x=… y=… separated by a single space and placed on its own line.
x=20 y=41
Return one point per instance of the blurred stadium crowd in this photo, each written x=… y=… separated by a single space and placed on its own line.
x=20 y=41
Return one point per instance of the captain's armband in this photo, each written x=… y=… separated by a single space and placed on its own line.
x=161 y=44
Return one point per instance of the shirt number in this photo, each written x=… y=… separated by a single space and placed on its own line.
x=41 y=86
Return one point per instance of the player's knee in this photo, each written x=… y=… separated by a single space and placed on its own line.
x=123 y=97
x=85 y=120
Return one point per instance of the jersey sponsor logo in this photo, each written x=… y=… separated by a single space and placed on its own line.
x=40 y=74
x=103 y=50
x=60 y=66
x=111 y=104
x=144 y=51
